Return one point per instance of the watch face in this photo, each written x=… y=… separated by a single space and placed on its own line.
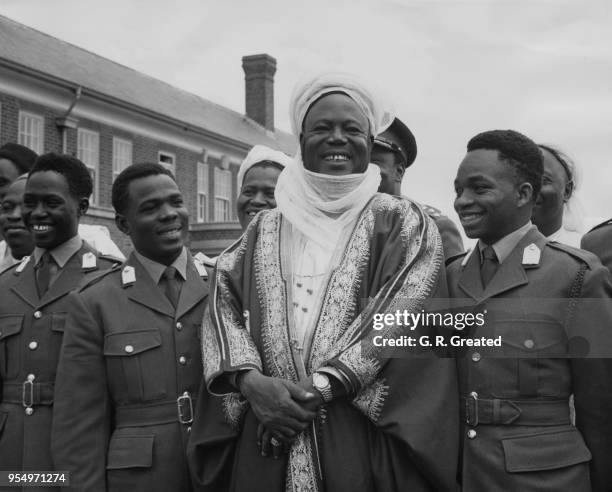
x=320 y=380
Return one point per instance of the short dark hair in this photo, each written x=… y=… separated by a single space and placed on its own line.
x=22 y=157
x=515 y=149
x=566 y=162
x=121 y=193
x=76 y=173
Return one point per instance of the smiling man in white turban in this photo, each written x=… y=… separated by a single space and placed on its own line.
x=257 y=179
x=290 y=338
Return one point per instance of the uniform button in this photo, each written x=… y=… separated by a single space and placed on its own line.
x=179 y=326
x=528 y=343
x=37 y=314
x=189 y=429
x=31 y=377
x=475 y=356
x=29 y=411
x=33 y=345
x=474 y=395
x=129 y=349
x=471 y=434
x=182 y=360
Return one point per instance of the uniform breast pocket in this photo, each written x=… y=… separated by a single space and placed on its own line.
x=537 y=338
x=529 y=347
x=10 y=353
x=135 y=364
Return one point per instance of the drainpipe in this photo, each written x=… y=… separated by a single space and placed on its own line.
x=67 y=121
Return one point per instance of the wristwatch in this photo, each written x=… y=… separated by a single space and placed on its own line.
x=320 y=382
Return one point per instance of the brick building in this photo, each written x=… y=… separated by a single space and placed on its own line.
x=57 y=97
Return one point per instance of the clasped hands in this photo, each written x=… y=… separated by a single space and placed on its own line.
x=283 y=409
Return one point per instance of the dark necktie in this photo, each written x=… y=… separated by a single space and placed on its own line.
x=44 y=271
x=489 y=265
x=171 y=284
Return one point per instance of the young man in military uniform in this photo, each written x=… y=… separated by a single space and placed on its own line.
x=395 y=150
x=131 y=363
x=550 y=304
x=599 y=241
x=33 y=307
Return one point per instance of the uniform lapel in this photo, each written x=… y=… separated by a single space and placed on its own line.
x=469 y=280
x=146 y=292
x=193 y=291
x=511 y=272
x=25 y=286
x=67 y=279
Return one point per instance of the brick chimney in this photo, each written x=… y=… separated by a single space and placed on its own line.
x=259 y=73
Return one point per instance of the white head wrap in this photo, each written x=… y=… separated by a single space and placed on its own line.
x=260 y=153
x=321 y=206
x=309 y=89
x=573 y=211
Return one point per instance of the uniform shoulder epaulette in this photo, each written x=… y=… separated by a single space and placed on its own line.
x=22 y=264
x=604 y=223
x=584 y=256
x=99 y=276
x=205 y=260
x=456 y=257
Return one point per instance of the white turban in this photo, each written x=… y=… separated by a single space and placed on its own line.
x=312 y=88
x=324 y=207
x=260 y=153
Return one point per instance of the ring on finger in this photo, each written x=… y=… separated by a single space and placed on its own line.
x=275 y=442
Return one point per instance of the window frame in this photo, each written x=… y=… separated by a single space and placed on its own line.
x=116 y=142
x=95 y=196
x=203 y=174
x=227 y=198
x=23 y=137
x=171 y=155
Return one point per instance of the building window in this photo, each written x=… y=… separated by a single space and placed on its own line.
x=31 y=131
x=223 y=193
x=122 y=155
x=202 y=192
x=167 y=160
x=88 y=150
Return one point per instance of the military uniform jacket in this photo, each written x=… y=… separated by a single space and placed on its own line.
x=128 y=377
x=31 y=331
x=599 y=241
x=551 y=304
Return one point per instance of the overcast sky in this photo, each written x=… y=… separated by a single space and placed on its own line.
x=452 y=68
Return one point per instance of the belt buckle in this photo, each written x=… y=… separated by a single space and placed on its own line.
x=181 y=402
x=27 y=392
x=473 y=397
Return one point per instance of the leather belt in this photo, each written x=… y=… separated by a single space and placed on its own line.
x=165 y=412
x=28 y=393
x=497 y=411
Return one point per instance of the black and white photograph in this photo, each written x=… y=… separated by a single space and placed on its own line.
x=324 y=246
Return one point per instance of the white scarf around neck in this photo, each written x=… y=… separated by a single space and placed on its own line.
x=322 y=206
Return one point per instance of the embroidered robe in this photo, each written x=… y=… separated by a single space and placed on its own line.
x=398 y=430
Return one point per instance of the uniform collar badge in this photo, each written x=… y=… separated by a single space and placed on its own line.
x=22 y=265
x=89 y=261
x=128 y=276
x=200 y=268
x=531 y=255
